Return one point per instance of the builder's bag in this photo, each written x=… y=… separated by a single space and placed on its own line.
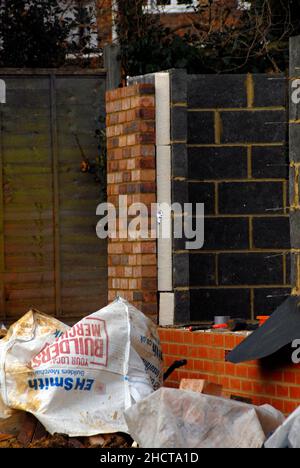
x=80 y=380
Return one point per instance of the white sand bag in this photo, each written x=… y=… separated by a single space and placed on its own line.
x=81 y=383
x=25 y=338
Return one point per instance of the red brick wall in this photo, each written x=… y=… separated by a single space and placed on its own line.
x=205 y=352
x=132 y=269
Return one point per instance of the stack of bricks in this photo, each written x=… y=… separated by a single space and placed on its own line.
x=275 y=381
x=235 y=160
x=132 y=271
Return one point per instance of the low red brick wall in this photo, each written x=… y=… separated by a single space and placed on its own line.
x=206 y=353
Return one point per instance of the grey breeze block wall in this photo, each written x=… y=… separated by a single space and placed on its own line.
x=230 y=151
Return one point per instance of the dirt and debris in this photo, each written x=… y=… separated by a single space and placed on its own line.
x=31 y=434
x=5 y=437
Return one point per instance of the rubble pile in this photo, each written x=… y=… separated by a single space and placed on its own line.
x=29 y=433
x=99 y=385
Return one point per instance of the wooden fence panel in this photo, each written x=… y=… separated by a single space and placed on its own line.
x=50 y=257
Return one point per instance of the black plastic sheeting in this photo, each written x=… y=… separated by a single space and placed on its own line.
x=282 y=328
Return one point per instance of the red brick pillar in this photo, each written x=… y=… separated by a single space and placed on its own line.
x=131 y=171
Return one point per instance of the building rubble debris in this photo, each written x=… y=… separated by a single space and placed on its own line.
x=38 y=349
x=23 y=430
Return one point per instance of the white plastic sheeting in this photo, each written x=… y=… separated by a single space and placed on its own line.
x=172 y=418
x=287 y=435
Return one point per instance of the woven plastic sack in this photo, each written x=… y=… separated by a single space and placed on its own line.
x=81 y=381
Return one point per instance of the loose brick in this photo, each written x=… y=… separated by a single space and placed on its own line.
x=201 y=386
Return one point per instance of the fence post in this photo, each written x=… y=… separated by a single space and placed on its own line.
x=112 y=65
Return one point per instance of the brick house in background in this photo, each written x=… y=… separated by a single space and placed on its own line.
x=179 y=15
x=105 y=21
